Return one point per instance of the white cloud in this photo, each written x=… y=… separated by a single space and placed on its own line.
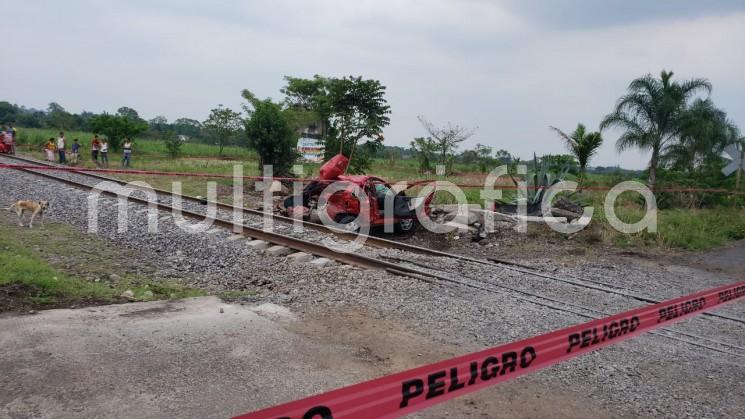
x=471 y=62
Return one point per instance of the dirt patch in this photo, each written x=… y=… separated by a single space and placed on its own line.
x=13 y=297
x=21 y=298
x=153 y=312
x=539 y=242
x=726 y=260
x=388 y=346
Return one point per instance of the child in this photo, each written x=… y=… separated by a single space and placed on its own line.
x=75 y=149
x=126 y=152
x=105 y=153
x=95 y=149
x=50 y=148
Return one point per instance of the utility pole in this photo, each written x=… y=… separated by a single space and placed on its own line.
x=739 y=169
x=736 y=152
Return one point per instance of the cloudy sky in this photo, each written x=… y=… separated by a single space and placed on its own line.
x=509 y=67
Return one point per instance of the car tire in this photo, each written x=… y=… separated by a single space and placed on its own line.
x=407 y=225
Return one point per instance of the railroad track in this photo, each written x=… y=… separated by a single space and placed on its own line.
x=428 y=271
x=483 y=281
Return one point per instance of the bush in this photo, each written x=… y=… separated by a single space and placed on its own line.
x=172 y=144
x=270 y=135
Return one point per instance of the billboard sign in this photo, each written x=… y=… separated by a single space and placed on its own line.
x=310 y=149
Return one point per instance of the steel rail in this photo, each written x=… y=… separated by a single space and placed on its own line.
x=315 y=226
x=392 y=244
x=355 y=259
x=552 y=304
x=293 y=243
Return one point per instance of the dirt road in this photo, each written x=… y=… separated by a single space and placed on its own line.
x=204 y=358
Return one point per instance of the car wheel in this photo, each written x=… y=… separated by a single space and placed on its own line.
x=407 y=225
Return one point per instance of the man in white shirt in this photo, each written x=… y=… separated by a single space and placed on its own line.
x=61 y=147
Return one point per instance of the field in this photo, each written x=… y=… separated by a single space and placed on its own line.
x=692 y=229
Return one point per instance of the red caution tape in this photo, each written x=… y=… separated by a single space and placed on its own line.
x=409 y=391
x=411 y=183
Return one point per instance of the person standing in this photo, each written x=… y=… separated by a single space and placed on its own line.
x=105 y=153
x=6 y=137
x=126 y=152
x=95 y=149
x=61 y=148
x=49 y=149
x=10 y=138
x=75 y=149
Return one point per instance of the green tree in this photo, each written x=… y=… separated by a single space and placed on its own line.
x=446 y=138
x=705 y=132
x=31 y=119
x=484 y=157
x=82 y=121
x=650 y=114
x=172 y=143
x=222 y=125
x=582 y=144
x=188 y=127
x=8 y=112
x=504 y=156
x=424 y=150
x=116 y=128
x=270 y=135
x=159 y=126
x=130 y=114
x=59 y=118
x=352 y=111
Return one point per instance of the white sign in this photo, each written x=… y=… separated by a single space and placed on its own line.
x=310 y=149
x=736 y=159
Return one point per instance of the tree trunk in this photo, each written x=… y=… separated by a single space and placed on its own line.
x=653 y=167
x=739 y=170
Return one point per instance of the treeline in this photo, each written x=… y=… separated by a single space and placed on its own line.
x=676 y=121
x=484 y=159
x=58 y=118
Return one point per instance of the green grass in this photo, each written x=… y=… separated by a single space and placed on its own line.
x=688 y=229
x=46 y=285
x=695 y=230
x=236 y=295
x=677 y=228
x=23 y=262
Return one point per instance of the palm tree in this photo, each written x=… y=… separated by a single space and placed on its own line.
x=704 y=133
x=582 y=144
x=650 y=114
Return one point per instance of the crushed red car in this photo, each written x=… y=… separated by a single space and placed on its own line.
x=357 y=201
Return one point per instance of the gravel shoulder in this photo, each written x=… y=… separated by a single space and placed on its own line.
x=647 y=376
